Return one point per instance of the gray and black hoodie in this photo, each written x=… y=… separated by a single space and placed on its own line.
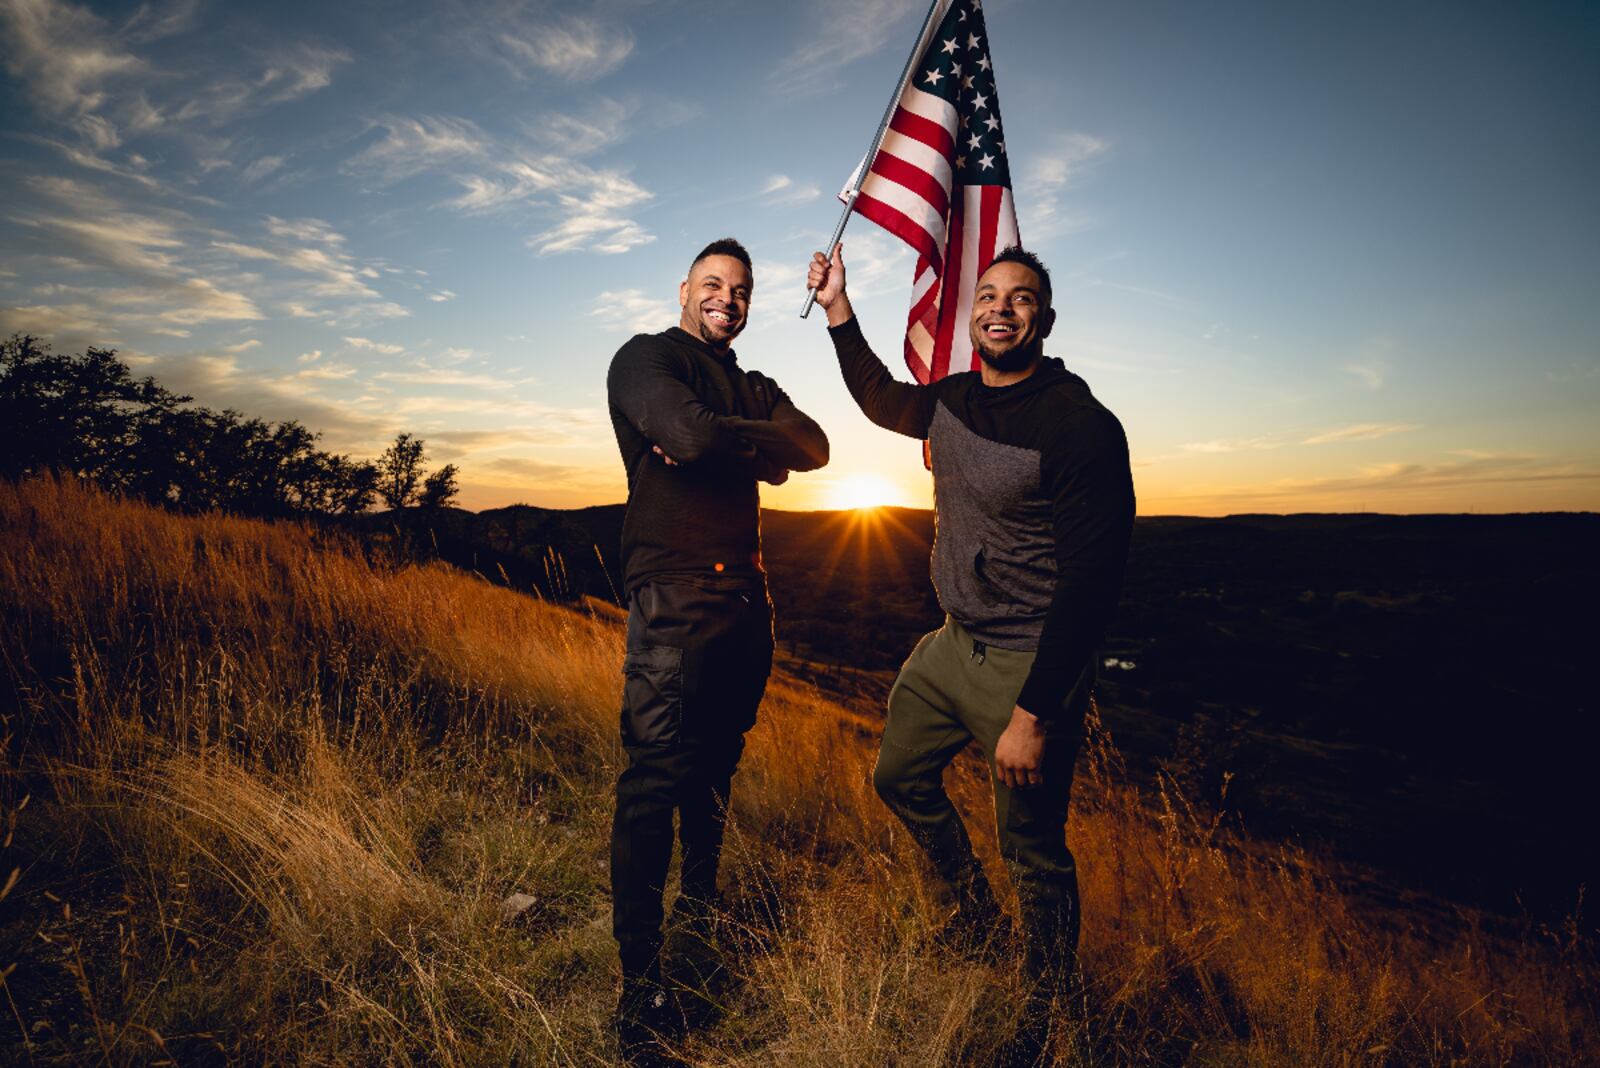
x=1033 y=503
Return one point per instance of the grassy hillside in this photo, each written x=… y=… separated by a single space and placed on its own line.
x=263 y=796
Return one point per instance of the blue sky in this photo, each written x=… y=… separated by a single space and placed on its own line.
x=1328 y=258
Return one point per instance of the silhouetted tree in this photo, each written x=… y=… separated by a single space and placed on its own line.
x=439 y=489
x=88 y=416
x=77 y=415
x=399 y=471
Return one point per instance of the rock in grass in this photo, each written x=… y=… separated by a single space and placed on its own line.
x=516 y=906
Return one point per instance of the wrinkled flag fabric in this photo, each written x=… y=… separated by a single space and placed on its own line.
x=940 y=182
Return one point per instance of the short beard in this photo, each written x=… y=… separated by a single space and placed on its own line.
x=715 y=342
x=709 y=338
x=1016 y=360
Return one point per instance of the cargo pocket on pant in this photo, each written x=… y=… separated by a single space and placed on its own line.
x=652 y=696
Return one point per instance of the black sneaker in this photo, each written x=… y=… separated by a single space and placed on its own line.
x=648 y=1017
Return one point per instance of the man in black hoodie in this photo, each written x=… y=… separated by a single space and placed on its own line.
x=1034 y=509
x=696 y=432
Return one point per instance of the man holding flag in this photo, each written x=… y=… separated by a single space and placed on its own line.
x=1033 y=500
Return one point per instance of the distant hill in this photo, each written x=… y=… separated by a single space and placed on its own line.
x=1403 y=688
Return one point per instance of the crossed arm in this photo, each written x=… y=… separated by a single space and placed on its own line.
x=644 y=383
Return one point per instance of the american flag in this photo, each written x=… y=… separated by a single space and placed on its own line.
x=940 y=182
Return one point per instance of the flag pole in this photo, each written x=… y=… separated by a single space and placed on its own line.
x=877 y=139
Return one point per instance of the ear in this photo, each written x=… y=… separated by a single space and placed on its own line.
x=683 y=293
x=1047 y=323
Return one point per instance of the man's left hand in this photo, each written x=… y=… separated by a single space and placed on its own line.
x=1019 y=754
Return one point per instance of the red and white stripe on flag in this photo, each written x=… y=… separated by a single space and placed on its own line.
x=941 y=183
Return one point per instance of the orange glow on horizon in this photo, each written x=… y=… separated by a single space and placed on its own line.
x=861 y=491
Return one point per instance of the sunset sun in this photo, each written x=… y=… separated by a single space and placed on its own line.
x=863 y=491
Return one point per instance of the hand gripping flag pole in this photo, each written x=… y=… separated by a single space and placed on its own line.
x=929 y=24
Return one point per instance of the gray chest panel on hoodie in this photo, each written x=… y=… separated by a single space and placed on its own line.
x=994 y=563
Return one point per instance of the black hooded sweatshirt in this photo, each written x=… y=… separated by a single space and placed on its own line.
x=726 y=428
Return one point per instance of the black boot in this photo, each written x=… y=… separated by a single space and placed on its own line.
x=648 y=1017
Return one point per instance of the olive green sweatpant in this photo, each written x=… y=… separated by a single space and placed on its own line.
x=952 y=690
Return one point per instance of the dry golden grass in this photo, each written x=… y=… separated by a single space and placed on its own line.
x=266 y=795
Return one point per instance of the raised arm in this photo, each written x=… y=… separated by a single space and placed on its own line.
x=904 y=407
x=647 y=385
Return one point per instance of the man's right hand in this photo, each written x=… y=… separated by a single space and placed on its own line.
x=827 y=278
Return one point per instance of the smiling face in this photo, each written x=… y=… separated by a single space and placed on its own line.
x=716 y=300
x=1009 y=317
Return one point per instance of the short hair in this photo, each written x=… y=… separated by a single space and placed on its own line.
x=1018 y=254
x=726 y=246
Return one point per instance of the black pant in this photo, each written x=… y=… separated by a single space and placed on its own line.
x=699 y=652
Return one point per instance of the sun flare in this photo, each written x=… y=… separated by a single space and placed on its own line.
x=863 y=491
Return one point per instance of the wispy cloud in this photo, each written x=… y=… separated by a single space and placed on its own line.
x=412 y=145
x=102 y=231
x=314 y=231
x=222 y=381
x=523 y=469
x=64 y=55
x=449 y=444
x=260 y=168
x=337 y=286
x=62 y=322
x=1371 y=374
x=159 y=291
x=779 y=288
x=86 y=76
x=603 y=123
x=161 y=306
x=634 y=310
x=1046 y=178
x=299 y=72
x=571 y=47
x=1402 y=485
x=854 y=29
x=592 y=205
x=200 y=301
x=593 y=228
x=442 y=296
x=876 y=262
x=781 y=189
x=1361 y=432
x=287 y=74
x=374 y=346
x=1230 y=445
x=1372 y=362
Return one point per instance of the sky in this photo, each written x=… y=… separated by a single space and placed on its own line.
x=1330 y=258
